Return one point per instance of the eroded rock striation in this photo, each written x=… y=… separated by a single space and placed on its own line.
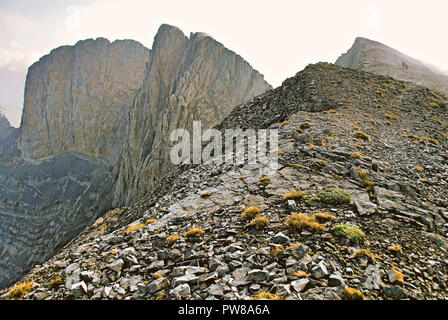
x=93 y=112
x=375 y=57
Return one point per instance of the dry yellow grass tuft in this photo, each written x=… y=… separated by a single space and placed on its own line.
x=295 y=195
x=264 y=180
x=356 y=155
x=400 y=275
x=300 y=274
x=353 y=294
x=362 y=135
x=20 y=290
x=139 y=226
x=172 y=239
x=194 y=233
x=391 y=115
x=364 y=253
x=293 y=246
x=56 y=282
x=265 y=295
x=324 y=216
x=298 y=221
x=97 y=222
x=277 y=250
x=134 y=227
x=250 y=212
x=395 y=249
x=258 y=223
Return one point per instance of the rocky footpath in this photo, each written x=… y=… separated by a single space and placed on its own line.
x=95 y=122
x=357 y=209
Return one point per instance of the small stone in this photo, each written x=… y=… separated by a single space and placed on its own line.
x=155 y=265
x=395 y=292
x=392 y=276
x=257 y=275
x=86 y=276
x=300 y=285
x=181 y=291
x=280 y=238
x=60 y=264
x=71 y=279
x=292 y=206
x=283 y=290
x=158 y=285
x=254 y=287
x=373 y=280
x=319 y=271
x=117 y=265
x=335 y=281
x=71 y=268
x=216 y=290
x=187 y=278
x=79 y=289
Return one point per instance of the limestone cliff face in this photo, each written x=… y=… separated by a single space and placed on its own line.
x=95 y=129
x=77 y=99
x=375 y=57
x=188 y=79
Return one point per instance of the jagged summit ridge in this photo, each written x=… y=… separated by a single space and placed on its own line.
x=375 y=57
x=188 y=79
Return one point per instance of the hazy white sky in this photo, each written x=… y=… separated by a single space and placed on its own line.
x=277 y=37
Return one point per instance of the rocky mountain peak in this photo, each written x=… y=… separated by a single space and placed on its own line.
x=5 y=126
x=375 y=57
x=4 y=123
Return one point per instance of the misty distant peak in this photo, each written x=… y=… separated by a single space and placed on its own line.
x=376 y=57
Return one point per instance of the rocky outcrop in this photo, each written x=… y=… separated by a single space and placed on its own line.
x=375 y=57
x=188 y=79
x=348 y=141
x=5 y=127
x=95 y=116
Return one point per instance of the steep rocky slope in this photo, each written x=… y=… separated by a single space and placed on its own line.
x=91 y=113
x=367 y=158
x=375 y=57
